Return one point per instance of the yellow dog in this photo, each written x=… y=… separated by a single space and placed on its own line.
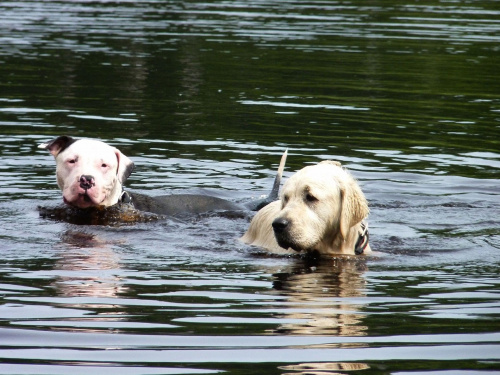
x=321 y=209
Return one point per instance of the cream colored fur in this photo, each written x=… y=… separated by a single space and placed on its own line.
x=324 y=207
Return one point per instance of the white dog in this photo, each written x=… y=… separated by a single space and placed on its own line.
x=91 y=174
x=322 y=209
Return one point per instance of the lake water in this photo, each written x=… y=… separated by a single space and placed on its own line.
x=207 y=95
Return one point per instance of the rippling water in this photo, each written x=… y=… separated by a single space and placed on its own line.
x=207 y=95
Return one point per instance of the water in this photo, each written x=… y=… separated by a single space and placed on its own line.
x=207 y=95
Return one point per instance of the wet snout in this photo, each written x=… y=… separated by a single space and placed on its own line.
x=282 y=227
x=87 y=182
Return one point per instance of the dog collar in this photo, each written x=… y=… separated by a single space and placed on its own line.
x=126 y=198
x=363 y=238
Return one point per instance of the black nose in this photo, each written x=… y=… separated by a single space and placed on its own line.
x=280 y=224
x=87 y=181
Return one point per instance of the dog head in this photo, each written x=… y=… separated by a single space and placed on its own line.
x=89 y=172
x=319 y=205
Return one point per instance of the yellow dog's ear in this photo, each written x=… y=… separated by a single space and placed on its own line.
x=354 y=205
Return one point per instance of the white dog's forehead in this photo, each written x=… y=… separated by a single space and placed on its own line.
x=90 y=148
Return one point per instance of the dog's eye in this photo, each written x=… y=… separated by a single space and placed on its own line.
x=311 y=198
x=104 y=165
x=72 y=161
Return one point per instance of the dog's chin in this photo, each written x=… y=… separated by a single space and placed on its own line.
x=286 y=243
x=81 y=201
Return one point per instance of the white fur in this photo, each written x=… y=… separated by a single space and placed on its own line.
x=86 y=157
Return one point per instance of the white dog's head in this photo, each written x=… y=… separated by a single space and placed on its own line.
x=89 y=172
x=320 y=205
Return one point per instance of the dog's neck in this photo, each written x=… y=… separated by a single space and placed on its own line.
x=336 y=244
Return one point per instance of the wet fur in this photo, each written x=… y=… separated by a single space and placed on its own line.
x=324 y=207
x=108 y=168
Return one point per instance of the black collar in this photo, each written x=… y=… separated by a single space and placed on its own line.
x=363 y=238
x=125 y=198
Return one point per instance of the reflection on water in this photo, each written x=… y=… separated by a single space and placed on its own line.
x=312 y=297
x=87 y=268
x=323 y=368
x=208 y=95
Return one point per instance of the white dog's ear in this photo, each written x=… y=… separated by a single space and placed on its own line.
x=58 y=144
x=354 y=206
x=125 y=166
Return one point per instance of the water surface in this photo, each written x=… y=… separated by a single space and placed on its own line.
x=207 y=95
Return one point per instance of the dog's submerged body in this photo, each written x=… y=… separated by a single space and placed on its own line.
x=179 y=204
x=91 y=174
x=322 y=209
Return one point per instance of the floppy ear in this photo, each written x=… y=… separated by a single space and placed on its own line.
x=354 y=205
x=125 y=166
x=58 y=144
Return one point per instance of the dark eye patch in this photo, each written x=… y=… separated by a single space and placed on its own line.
x=310 y=198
